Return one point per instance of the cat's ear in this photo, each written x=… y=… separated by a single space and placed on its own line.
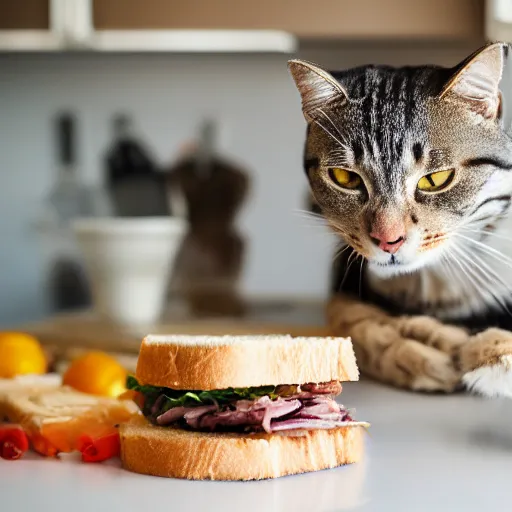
x=476 y=80
x=316 y=86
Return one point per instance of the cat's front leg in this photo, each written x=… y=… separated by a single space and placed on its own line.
x=417 y=353
x=486 y=363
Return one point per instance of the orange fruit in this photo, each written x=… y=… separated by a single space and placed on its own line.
x=96 y=373
x=20 y=354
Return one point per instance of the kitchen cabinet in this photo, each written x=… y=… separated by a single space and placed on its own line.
x=62 y=25
x=24 y=15
x=229 y=25
x=26 y=25
x=321 y=19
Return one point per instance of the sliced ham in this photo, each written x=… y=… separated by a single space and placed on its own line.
x=191 y=414
x=310 y=407
x=232 y=419
x=158 y=404
x=277 y=409
x=321 y=407
x=171 y=415
x=271 y=415
x=248 y=413
x=194 y=414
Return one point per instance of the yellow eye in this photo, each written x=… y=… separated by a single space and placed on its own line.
x=344 y=178
x=436 y=181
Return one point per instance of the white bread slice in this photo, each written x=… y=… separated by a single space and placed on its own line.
x=177 y=453
x=33 y=408
x=219 y=362
x=30 y=382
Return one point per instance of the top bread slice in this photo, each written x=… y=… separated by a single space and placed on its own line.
x=220 y=362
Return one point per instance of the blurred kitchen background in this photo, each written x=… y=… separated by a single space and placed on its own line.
x=184 y=109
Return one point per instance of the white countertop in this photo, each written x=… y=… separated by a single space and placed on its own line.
x=432 y=453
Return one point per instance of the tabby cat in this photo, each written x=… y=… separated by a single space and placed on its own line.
x=412 y=168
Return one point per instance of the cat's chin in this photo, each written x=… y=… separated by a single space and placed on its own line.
x=389 y=270
x=394 y=266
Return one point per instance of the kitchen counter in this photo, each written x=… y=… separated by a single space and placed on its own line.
x=424 y=453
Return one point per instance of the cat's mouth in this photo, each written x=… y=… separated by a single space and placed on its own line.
x=391 y=262
x=393 y=267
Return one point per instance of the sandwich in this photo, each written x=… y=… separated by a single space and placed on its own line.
x=241 y=407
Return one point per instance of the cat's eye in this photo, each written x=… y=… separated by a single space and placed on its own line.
x=344 y=178
x=436 y=181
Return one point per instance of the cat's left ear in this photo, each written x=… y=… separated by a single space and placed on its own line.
x=476 y=80
x=316 y=86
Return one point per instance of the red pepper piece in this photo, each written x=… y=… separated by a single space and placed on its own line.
x=99 y=449
x=13 y=441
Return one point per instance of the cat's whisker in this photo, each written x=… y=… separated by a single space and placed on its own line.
x=483 y=264
x=308 y=221
x=318 y=231
x=334 y=225
x=489 y=273
x=455 y=277
x=343 y=248
x=447 y=268
x=492 y=290
x=307 y=213
x=361 y=275
x=317 y=222
x=486 y=279
x=489 y=289
x=349 y=264
x=352 y=258
x=310 y=217
x=339 y=233
x=488 y=250
x=488 y=233
x=340 y=251
x=469 y=286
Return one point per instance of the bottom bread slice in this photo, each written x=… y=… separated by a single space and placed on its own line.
x=177 y=453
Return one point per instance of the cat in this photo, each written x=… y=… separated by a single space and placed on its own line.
x=412 y=168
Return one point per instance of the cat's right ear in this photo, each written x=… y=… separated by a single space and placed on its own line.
x=316 y=86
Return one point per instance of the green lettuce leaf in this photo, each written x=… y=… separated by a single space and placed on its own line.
x=132 y=383
x=191 y=398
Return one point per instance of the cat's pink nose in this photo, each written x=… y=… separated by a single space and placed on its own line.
x=388 y=240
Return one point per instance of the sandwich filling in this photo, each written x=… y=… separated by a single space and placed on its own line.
x=256 y=409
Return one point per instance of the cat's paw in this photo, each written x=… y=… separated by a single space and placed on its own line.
x=415 y=366
x=493 y=379
x=487 y=363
